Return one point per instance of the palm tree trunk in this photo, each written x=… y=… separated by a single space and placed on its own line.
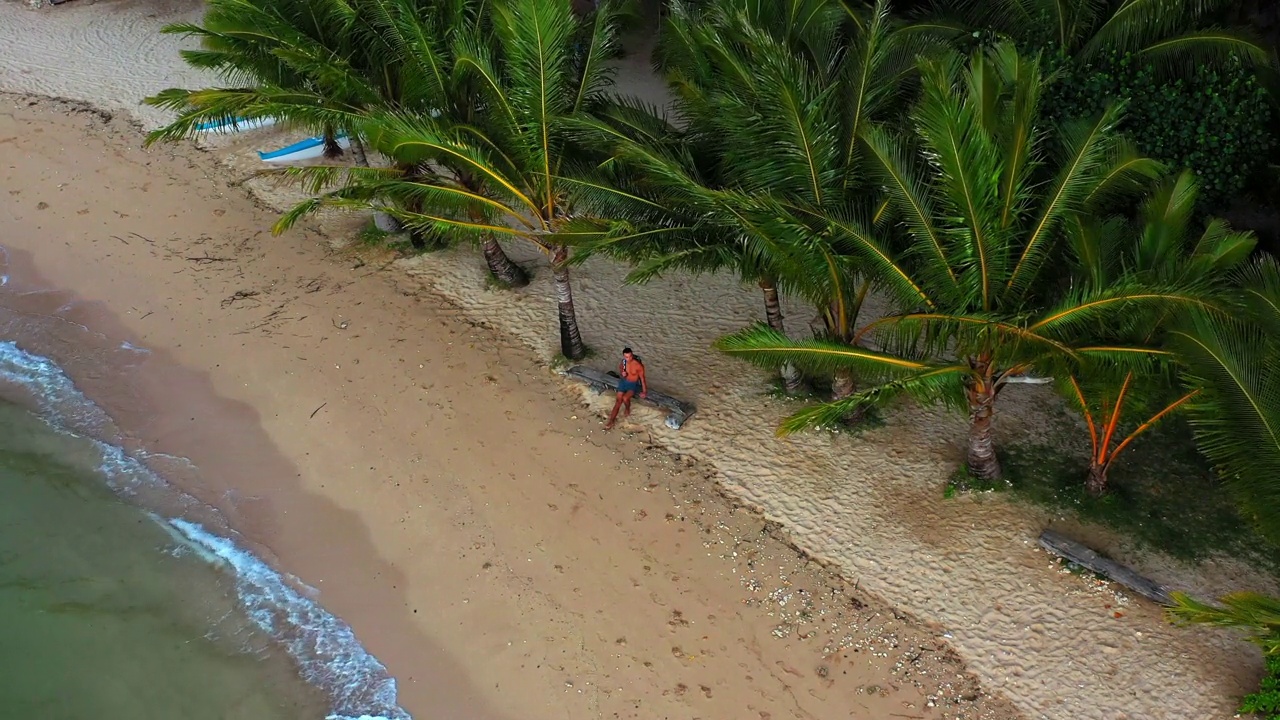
x=571 y=344
x=507 y=272
x=382 y=221
x=981 y=458
x=331 y=147
x=417 y=238
x=843 y=385
x=791 y=378
x=1096 y=483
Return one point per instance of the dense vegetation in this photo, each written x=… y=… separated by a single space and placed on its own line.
x=1029 y=184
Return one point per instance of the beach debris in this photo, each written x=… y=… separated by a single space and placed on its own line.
x=1085 y=557
x=238 y=296
x=207 y=258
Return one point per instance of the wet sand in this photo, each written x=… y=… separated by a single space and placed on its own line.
x=482 y=437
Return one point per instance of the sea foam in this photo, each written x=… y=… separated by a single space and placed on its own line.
x=326 y=649
x=328 y=654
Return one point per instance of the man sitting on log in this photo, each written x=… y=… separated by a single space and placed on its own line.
x=631 y=378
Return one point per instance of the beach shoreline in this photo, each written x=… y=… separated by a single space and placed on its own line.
x=868 y=507
x=653 y=596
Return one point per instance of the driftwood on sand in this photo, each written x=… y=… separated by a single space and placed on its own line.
x=1114 y=571
x=678 y=411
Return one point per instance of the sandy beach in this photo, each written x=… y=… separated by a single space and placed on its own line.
x=390 y=431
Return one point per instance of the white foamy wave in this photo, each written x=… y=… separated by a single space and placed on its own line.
x=326 y=649
x=56 y=397
x=67 y=410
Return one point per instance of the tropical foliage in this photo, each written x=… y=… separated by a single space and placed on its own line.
x=1169 y=32
x=369 y=55
x=774 y=97
x=984 y=194
x=1119 y=405
x=510 y=171
x=1195 y=98
x=1214 y=119
x=1260 y=616
x=1237 y=417
x=298 y=61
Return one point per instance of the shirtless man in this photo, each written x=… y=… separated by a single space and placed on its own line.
x=631 y=378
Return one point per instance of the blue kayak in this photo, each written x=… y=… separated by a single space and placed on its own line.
x=308 y=149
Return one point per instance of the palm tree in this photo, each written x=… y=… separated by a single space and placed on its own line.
x=1161 y=248
x=516 y=171
x=773 y=96
x=398 y=55
x=290 y=55
x=981 y=192
x=1237 y=416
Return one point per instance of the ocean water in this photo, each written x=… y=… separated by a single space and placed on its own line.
x=122 y=598
x=105 y=615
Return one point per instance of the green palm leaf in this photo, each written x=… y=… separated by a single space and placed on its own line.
x=765 y=347
x=1257 y=613
x=1237 y=417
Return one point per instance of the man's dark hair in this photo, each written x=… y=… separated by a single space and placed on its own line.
x=626 y=351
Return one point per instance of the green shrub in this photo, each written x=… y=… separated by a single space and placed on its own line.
x=1266 y=702
x=1213 y=120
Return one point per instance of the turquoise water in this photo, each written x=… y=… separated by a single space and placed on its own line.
x=106 y=615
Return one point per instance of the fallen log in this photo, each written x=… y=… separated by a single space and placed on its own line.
x=1074 y=552
x=678 y=411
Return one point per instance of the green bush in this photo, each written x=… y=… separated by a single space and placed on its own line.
x=1213 y=120
x=1266 y=702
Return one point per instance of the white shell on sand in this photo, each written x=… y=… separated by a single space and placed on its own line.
x=869 y=504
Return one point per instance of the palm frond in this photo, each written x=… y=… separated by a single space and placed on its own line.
x=1237 y=418
x=1136 y=24
x=1253 y=612
x=763 y=346
x=1122 y=305
x=968 y=164
x=943 y=385
x=1087 y=147
x=914 y=202
x=1209 y=45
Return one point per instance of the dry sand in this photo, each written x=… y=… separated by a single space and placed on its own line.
x=466 y=451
